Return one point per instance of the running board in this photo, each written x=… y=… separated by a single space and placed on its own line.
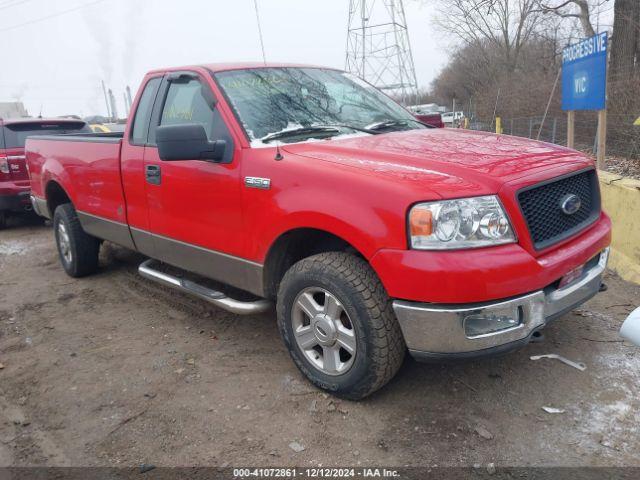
x=217 y=298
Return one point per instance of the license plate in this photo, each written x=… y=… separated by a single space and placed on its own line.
x=571 y=276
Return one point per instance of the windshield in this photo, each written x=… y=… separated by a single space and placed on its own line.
x=273 y=100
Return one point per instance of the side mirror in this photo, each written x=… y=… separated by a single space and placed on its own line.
x=188 y=142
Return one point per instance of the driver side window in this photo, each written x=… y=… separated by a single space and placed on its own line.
x=186 y=104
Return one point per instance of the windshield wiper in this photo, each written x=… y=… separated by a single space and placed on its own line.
x=329 y=129
x=391 y=123
x=352 y=127
x=300 y=131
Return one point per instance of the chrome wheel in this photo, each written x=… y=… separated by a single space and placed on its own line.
x=64 y=243
x=323 y=331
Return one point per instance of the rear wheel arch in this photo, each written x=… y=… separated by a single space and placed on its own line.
x=295 y=245
x=55 y=195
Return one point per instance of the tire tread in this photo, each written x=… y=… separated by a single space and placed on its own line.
x=389 y=348
x=85 y=247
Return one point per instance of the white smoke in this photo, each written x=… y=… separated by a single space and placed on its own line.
x=99 y=29
x=133 y=23
x=19 y=93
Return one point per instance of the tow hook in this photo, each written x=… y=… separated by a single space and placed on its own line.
x=537 y=337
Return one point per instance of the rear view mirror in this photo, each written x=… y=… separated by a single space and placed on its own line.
x=188 y=142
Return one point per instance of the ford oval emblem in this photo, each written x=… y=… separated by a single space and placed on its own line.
x=570 y=203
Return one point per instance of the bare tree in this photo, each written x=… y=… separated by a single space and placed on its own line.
x=475 y=73
x=625 y=48
x=624 y=62
x=566 y=9
x=504 y=26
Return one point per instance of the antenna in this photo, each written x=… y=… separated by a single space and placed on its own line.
x=278 y=156
x=255 y=6
x=378 y=47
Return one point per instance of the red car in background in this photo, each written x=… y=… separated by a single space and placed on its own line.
x=14 y=177
x=431 y=119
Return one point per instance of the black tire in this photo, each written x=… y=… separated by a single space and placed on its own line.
x=83 y=249
x=3 y=219
x=380 y=344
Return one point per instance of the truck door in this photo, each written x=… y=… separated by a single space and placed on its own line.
x=132 y=165
x=195 y=213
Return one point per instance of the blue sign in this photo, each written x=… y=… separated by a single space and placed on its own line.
x=584 y=74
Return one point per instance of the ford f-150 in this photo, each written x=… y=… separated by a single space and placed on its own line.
x=308 y=188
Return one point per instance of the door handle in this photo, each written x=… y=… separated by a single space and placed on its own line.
x=153 y=174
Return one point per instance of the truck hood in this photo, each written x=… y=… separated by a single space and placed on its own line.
x=448 y=158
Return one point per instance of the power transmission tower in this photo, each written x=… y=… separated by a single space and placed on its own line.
x=378 y=48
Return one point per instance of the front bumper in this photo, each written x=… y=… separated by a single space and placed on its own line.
x=433 y=331
x=484 y=274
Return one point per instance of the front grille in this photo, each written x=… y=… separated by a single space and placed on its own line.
x=541 y=206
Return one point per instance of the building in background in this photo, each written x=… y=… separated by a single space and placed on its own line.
x=13 y=110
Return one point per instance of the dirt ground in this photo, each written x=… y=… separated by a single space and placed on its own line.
x=113 y=370
x=627 y=167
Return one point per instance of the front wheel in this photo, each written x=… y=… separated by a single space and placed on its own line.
x=3 y=219
x=338 y=324
x=77 y=249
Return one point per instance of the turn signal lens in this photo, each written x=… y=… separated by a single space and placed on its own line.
x=421 y=222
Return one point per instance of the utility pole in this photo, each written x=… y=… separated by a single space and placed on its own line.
x=378 y=47
x=129 y=97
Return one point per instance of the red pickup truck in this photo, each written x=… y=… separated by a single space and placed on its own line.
x=14 y=179
x=307 y=187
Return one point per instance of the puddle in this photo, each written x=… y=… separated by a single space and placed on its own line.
x=611 y=418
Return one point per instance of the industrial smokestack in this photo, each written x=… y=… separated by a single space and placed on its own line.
x=114 y=110
x=129 y=96
x=106 y=99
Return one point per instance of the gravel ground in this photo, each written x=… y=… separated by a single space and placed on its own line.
x=113 y=370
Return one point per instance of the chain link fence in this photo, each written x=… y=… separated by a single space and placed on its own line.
x=521 y=109
x=623 y=137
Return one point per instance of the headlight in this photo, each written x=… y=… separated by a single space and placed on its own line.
x=463 y=223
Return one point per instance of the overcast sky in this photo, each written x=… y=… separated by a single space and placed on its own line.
x=57 y=63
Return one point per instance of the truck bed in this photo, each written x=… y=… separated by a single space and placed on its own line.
x=110 y=137
x=91 y=164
